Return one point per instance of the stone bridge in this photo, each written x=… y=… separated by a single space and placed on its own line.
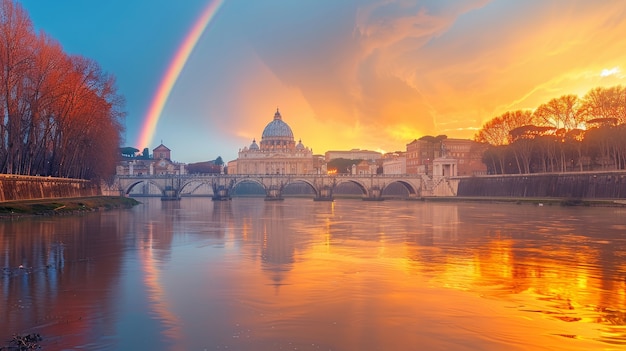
x=323 y=186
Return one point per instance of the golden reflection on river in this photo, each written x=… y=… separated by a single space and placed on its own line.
x=303 y=275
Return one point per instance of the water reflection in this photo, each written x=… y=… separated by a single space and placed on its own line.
x=53 y=275
x=253 y=275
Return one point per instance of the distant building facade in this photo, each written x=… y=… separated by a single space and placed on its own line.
x=469 y=156
x=464 y=157
x=354 y=154
x=276 y=153
x=159 y=164
x=319 y=164
x=394 y=163
x=365 y=167
x=419 y=156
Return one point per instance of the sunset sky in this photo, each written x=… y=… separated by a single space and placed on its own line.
x=368 y=74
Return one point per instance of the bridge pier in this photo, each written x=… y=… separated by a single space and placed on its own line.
x=325 y=194
x=220 y=193
x=374 y=194
x=170 y=194
x=273 y=193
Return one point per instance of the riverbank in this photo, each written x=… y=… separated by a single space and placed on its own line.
x=532 y=201
x=62 y=206
x=601 y=185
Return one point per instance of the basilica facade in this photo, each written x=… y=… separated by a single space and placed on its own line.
x=276 y=153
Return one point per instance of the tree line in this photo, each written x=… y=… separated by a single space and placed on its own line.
x=61 y=114
x=566 y=134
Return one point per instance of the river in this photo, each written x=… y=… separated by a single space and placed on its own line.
x=297 y=274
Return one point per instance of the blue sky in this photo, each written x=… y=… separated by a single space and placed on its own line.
x=367 y=74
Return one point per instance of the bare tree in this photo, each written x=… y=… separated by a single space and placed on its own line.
x=575 y=148
x=59 y=115
x=40 y=95
x=560 y=113
x=497 y=131
x=16 y=59
x=497 y=134
x=523 y=142
x=605 y=103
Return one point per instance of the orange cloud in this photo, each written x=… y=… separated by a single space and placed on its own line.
x=378 y=75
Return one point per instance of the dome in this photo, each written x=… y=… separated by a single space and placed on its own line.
x=254 y=145
x=277 y=129
x=300 y=146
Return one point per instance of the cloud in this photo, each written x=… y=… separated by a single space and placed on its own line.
x=610 y=72
x=378 y=74
x=355 y=68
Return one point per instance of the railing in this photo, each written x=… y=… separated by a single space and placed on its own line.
x=5 y=176
x=217 y=175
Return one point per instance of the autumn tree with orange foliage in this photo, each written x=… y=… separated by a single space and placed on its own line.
x=565 y=134
x=61 y=115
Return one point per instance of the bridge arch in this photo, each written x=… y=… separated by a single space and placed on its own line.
x=253 y=180
x=195 y=184
x=316 y=191
x=356 y=182
x=413 y=191
x=132 y=185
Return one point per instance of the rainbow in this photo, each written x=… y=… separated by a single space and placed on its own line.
x=173 y=71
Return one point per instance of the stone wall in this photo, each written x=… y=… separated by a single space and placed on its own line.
x=17 y=187
x=587 y=185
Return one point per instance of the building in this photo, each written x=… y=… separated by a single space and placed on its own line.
x=423 y=153
x=161 y=152
x=276 y=153
x=365 y=167
x=419 y=156
x=159 y=163
x=319 y=164
x=394 y=163
x=163 y=163
x=354 y=154
x=467 y=153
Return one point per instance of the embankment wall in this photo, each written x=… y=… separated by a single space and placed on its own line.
x=18 y=187
x=587 y=185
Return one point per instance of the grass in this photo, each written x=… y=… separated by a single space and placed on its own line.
x=63 y=206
